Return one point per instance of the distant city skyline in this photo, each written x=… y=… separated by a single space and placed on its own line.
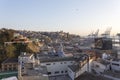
x=74 y=16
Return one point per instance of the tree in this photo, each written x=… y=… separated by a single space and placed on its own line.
x=6 y=35
x=20 y=47
x=10 y=51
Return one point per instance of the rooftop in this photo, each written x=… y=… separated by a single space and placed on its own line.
x=77 y=57
x=60 y=77
x=115 y=74
x=38 y=70
x=74 y=68
x=103 y=62
x=10 y=60
x=115 y=59
x=90 y=76
x=55 y=59
x=25 y=55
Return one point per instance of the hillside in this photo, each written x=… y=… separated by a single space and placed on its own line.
x=13 y=49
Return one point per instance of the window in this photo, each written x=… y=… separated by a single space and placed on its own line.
x=65 y=71
x=14 y=68
x=56 y=72
x=5 y=69
x=10 y=65
x=10 y=69
x=49 y=73
x=22 y=67
x=48 y=64
x=5 y=65
x=61 y=71
x=97 y=66
x=115 y=64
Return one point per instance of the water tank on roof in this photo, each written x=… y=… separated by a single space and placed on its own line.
x=104 y=56
x=24 y=53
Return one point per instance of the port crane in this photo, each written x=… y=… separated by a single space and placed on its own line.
x=107 y=32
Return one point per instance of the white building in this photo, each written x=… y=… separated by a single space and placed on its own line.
x=57 y=66
x=100 y=66
x=75 y=70
x=115 y=64
x=72 y=66
x=26 y=61
x=84 y=65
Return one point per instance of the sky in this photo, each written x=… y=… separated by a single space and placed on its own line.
x=74 y=16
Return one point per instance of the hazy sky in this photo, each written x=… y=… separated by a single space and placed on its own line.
x=74 y=16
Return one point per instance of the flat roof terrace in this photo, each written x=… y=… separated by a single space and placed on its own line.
x=90 y=76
